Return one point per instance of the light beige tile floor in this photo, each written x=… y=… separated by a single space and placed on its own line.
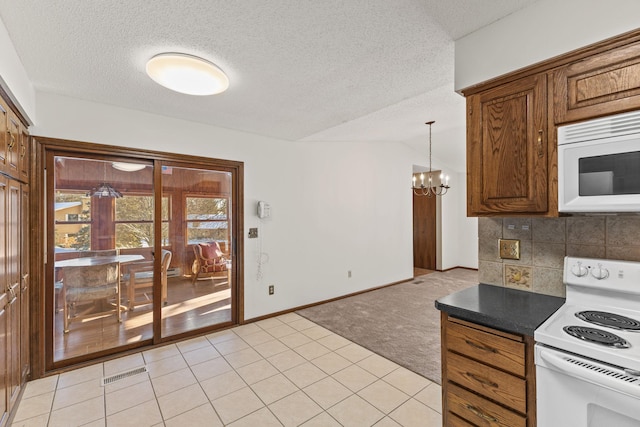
x=283 y=371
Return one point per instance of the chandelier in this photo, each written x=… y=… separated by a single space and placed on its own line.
x=104 y=189
x=429 y=189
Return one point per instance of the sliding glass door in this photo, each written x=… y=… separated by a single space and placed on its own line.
x=101 y=253
x=138 y=251
x=202 y=293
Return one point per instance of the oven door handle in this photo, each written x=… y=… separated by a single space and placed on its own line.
x=591 y=375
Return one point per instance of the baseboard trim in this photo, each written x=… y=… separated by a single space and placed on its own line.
x=301 y=307
x=453 y=268
x=290 y=310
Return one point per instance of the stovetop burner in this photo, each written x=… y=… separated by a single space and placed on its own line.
x=609 y=320
x=597 y=336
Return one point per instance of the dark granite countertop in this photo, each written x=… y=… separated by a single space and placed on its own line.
x=509 y=310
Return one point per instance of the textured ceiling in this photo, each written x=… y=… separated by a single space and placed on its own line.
x=308 y=70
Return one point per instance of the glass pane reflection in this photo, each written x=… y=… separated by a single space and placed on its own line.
x=102 y=290
x=202 y=200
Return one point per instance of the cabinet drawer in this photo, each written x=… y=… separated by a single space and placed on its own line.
x=490 y=382
x=480 y=411
x=455 y=421
x=491 y=349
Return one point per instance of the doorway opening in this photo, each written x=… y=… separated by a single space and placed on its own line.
x=426 y=234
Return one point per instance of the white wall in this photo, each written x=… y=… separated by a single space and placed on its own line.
x=13 y=77
x=460 y=234
x=541 y=31
x=335 y=206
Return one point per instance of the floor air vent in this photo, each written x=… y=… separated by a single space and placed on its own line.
x=117 y=377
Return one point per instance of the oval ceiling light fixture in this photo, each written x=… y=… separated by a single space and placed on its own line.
x=187 y=74
x=128 y=167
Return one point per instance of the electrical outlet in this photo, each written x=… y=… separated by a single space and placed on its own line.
x=253 y=233
x=509 y=248
x=271 y=289
x=349 y=274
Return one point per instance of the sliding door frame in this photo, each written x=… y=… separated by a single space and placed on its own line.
x=42 y=331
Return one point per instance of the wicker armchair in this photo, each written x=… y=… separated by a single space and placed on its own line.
x=209 y=262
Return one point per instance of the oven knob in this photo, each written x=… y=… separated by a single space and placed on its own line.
x=579 y=270
x=600 y=272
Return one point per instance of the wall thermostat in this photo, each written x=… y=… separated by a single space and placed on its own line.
x=264 y=210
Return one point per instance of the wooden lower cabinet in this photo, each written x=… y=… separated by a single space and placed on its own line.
x=14 y=294
x=4 y=403
x=488 y=376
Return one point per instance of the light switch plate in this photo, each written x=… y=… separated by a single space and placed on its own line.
x=509 y=248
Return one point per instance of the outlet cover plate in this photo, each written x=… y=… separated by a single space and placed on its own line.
x=509 y=248
x=253 y=233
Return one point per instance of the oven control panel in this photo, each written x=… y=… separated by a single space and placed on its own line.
x=622 y=276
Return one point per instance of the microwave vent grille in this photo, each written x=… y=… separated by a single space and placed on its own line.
x=606 y=127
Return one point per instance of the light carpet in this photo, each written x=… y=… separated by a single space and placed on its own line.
x=399 y=322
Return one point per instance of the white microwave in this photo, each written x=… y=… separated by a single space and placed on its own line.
x=599 y=165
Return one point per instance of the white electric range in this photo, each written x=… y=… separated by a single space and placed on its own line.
x=588 y=352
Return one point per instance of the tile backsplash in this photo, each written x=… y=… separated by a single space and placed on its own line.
x=544 y=242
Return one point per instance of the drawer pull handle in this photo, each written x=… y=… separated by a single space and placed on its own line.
x=482 y=380
x=540 y=152
x=481 y=414
x=12 y=140
x=480 y=347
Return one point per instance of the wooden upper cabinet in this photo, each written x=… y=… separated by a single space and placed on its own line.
x=598 y=85
x=507 y=148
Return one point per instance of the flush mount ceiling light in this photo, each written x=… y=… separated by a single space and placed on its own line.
x=187 y=74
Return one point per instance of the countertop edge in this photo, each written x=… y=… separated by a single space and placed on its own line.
x=465 y=305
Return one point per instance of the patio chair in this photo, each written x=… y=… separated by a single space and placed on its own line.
x=96 y=284
x=209 y=262
x=79 y=254
x=139 y=281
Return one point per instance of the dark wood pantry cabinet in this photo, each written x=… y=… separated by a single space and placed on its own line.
x=14 y=258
